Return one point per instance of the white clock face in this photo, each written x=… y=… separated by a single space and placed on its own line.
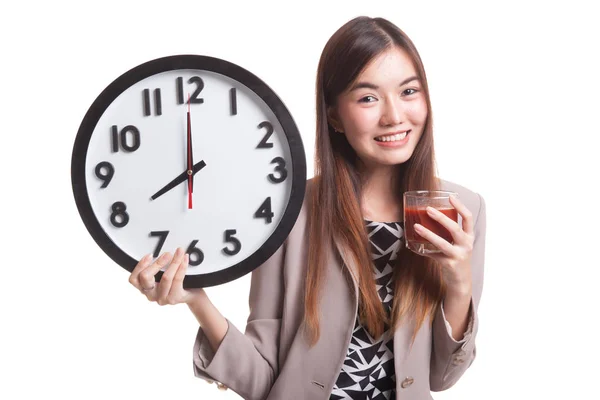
x=242 y=180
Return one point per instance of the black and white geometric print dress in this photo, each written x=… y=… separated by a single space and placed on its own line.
x=368 y=370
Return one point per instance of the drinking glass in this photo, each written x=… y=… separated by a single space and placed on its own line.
x=415 y=211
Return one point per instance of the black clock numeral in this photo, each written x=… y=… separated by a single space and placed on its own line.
x=162 y=236
x=233 y=101
x=279 y=168
x=237 y=245
x=264 y=211
x=196 y=252
x=263 y=143
x=106 y=177
x=119 y=217
x=194 y=99
x=121 y=137
x=157 y=102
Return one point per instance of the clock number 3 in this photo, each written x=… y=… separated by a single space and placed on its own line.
x=279 y=168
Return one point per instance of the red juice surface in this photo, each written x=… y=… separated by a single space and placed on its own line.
x=419 y=216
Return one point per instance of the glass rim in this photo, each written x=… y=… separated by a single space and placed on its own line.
x=420 y=193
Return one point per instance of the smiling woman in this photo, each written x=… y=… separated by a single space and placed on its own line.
x=384 y=108
x=342 y=309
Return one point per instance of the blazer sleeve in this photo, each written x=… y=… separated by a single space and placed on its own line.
x=450 y=358
x=248 y=362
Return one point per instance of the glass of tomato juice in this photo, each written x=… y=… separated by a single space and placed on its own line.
x=415 y=211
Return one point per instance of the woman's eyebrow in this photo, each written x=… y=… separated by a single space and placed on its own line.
x=368 y=85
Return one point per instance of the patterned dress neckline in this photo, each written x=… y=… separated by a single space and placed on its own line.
x=368 y=370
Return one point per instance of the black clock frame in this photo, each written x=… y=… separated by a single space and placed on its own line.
x=207 y=63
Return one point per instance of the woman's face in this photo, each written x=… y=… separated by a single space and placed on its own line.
x=385 y=101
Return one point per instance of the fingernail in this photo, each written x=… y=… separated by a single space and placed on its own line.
x=431 y=210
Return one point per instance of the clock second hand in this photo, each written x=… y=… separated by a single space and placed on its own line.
x=190 y=157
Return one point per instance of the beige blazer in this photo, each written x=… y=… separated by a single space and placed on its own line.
x=272 y=360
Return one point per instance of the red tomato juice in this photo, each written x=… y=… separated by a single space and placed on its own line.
x=419 y=216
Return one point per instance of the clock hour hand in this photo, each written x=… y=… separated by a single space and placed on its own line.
x=179 y=179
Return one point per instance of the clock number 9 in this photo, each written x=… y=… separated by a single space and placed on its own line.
x=279 y=168
x=118 y=210
x=106 y=177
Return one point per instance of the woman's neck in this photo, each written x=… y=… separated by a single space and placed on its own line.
x=380 y=201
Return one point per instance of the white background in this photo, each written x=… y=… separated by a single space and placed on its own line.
x=515 y=100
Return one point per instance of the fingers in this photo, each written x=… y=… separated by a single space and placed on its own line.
x=147 y=283
x=164 y=286
x=467 y=216
x=434 y=239
x=141 y=265
x=170 y=288
x=458 y=235
x=179 y=276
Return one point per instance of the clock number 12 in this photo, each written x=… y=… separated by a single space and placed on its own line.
x=194 y=99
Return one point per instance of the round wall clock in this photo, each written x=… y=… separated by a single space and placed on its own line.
x=189 y=151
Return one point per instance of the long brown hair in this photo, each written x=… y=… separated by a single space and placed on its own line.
x=418 y=285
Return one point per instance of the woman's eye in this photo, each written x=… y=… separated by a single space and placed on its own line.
x=365 y=99
x=413 y=91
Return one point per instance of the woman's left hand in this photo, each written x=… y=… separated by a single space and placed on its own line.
x=455 y=258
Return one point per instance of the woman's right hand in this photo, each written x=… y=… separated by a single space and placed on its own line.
x=170 y=288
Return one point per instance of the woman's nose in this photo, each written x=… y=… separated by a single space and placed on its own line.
x=391 y=112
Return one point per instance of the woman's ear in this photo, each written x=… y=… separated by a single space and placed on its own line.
x=333 y=119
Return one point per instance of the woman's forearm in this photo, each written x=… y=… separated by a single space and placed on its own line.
x=456 y=310
x=213 y=323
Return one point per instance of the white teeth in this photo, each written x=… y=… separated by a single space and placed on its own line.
x=391 y=138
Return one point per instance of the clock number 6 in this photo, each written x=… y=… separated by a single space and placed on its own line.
x=119 y=217
x=196 y=252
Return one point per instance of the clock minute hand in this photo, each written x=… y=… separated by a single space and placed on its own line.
x=179 y=179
